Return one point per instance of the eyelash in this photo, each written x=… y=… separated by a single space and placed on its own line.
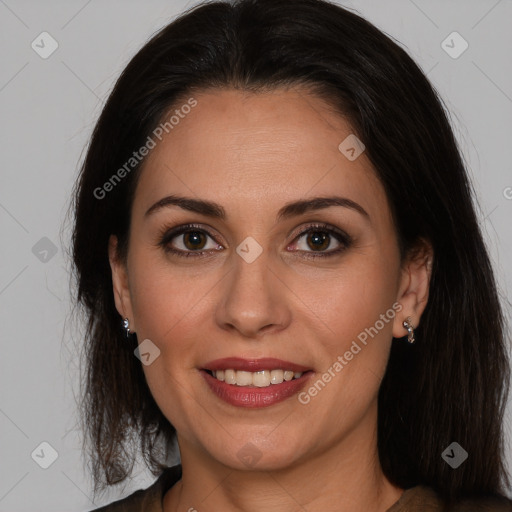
x=166 y=236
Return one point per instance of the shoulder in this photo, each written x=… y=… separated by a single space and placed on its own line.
x=146 y=500
x=427 y=499
x=493 y=504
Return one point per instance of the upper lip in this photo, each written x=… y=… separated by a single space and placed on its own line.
x=254 y=365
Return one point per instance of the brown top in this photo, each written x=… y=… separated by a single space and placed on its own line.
x=415 y=499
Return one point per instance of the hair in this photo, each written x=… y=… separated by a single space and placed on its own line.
x=452 y=384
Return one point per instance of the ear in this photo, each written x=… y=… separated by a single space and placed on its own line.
x=414 y=286
x=120 y=283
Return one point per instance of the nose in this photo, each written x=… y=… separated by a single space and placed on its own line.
x=254 y=299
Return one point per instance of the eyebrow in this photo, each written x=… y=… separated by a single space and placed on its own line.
x=295 y=208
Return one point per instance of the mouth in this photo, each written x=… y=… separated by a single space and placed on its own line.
x=254 y=382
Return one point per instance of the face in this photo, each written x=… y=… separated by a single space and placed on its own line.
x=318 y=286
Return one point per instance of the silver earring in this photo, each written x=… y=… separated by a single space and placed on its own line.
x=126 y=326
x=410 y=329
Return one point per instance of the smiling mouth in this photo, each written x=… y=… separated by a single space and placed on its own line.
x=259 y=379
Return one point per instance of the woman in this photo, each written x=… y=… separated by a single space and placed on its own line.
x=277 y=250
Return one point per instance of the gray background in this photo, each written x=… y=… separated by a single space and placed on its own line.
x=48 y=108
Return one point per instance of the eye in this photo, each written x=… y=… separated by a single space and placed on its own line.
x=191 y=240
x=319 y=238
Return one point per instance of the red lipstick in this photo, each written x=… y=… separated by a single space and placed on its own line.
x=252 y=396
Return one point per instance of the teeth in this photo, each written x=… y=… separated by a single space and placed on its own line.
x=276 y=376
x=230 y=376
x=261 y=379
x=243 y=378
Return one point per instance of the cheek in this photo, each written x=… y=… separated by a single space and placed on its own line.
x=352 y=299
x=163 y=296
x=166 y=304
x=356 y=312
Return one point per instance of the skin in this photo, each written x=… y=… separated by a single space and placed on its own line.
x=252 y=153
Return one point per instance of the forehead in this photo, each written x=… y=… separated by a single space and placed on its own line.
x=242 y=148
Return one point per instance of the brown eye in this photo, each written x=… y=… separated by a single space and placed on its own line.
x=319 y=238
x=187 y=240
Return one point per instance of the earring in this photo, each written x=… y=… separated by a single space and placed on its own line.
x=410 y=329
x=126 y=326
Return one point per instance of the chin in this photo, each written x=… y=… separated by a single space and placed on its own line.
x=251 y=454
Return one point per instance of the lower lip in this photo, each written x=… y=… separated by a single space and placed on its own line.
x=252 y=397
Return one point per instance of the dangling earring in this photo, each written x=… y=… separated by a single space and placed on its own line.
x=126 y=326
x=410 y=329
